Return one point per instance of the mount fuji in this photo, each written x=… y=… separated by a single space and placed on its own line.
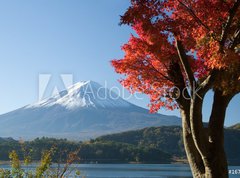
x=84 y=110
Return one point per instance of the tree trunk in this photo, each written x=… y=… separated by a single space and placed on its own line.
x=217 y=156
x=193 y=156
x=205 y=146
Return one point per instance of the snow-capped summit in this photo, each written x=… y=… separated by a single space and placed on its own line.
x=84 y=94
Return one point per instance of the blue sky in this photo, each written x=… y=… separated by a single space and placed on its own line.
x=64 y=37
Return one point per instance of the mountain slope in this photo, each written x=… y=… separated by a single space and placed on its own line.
x=85 y=110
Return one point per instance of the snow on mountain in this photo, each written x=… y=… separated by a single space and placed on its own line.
x=82 y=111
x=84 y=94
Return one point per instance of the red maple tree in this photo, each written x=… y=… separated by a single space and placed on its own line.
x=181 y=50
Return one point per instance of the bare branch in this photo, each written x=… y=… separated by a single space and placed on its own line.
x=186 y=66
x=207 y=83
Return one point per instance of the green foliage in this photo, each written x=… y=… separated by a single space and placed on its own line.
x=16 y=170
x=167 y=139
x=101 y=151
x=44 y=163
x=149 y=145
x=5 y=173
x=115 y=152
x=43 y=169
x=27 y=154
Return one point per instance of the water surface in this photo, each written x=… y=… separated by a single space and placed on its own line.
x=136 y=170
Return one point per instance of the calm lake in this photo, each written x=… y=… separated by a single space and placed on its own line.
x=137 y=170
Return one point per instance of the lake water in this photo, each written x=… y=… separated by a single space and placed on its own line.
x=134 y=171
x=137 y=170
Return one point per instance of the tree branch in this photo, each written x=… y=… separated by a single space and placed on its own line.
x=226 y=28
x=175 y=73
x=186 y=66
x=196 y=124
x=206 y=85
x=164 y=76
x=198 y=133
x=194 y=15
x=192 y=153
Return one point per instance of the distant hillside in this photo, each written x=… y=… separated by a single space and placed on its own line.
x=236 y=126
x=169 y=140
x=149 y=145
x=89 y=151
